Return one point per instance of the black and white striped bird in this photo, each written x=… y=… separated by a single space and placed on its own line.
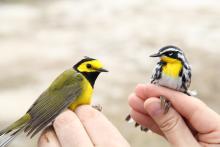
x=172 y=71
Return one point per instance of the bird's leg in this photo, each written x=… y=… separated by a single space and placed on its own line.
x=165 y=104
x=97 y=107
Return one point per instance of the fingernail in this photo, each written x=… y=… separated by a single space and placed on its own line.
x=154 y=109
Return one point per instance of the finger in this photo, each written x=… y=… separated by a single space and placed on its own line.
x=48 y=138
x=136 y=103
x=146 y=121
x=70 y=131
x=139 y=114
x=100 y=130
x=141 y=91
x=194 y=110
x=171 y=124
x=208 y=144
x=210 y=138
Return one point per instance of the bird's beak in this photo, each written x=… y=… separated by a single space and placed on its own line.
x=155 y=55
x=102 y=70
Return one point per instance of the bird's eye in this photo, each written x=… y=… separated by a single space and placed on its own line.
x=170 y=54
x=88 y=65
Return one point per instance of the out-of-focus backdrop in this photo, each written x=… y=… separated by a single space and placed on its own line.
x=40 y=39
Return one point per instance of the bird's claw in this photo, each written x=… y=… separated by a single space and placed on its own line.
x=97 y=107
x=165 y=104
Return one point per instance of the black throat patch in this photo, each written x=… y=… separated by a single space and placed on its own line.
x=91 y=77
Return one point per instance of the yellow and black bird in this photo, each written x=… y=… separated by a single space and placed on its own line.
x=172 y=71
x=72 y=88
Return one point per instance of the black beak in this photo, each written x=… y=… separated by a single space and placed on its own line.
x=155 y=55
x=102 y=70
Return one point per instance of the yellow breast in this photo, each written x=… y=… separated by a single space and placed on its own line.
x=85 y=97
x=172 y=69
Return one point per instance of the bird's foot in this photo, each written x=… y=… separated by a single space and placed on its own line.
x=97 y=107
x=165 y=104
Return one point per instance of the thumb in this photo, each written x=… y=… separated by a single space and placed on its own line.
x=171 y=124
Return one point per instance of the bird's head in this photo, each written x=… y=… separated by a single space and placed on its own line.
x=90 y=68
x=170 y=54
x=89 y=65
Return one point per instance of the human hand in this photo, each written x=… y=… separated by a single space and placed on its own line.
x=86 y=127
x=189 y=122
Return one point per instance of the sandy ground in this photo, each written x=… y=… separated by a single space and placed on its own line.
x=38 y=40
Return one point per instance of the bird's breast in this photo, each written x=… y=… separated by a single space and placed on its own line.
x=171 y=76
x=170 y=82
x=85 y=97
x=172 y=69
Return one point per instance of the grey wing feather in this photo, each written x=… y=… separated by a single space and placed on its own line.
x=157 y=73
x=7 y=138
x=186 y=78
x=48 y=106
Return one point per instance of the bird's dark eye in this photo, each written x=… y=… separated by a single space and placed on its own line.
x=88 y=65
x=170 y=54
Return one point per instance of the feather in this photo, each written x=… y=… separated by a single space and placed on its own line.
x=51 y=103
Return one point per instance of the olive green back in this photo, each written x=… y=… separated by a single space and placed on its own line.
x=64 y=90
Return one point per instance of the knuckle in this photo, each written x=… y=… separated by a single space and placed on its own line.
x=169 y=124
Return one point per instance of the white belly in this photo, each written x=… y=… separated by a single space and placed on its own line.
x=170 y=82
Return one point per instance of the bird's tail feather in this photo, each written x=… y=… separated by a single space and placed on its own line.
x=192 y=92
x=129 y=119
x=6 y=138
x=9 y=133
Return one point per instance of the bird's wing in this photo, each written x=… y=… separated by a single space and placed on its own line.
x=157 y=72
x=52 y=102
x=186 y=79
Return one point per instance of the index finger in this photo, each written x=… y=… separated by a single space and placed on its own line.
x=194 y=110
x=100 y=130
x=70 y=131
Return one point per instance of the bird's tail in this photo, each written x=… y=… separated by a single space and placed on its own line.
x=192 y=92
x=129 y=119
x=9 y=133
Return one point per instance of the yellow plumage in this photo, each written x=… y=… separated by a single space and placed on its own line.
x=85 y=97
x=172 y=67
x=70 y=89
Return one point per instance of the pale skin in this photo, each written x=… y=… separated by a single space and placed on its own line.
x=201 y=127
x=86 y=127
x=189 y=122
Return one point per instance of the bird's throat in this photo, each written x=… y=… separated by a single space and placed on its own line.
x=172 y=69
x=91 y=77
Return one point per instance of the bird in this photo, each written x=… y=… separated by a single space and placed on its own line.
x=172 y=71
x=70 y=89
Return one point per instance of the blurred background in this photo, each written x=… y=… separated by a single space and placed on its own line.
x=40 y=39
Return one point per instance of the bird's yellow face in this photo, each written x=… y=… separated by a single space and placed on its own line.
x=169 y=59
x=91 y=66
